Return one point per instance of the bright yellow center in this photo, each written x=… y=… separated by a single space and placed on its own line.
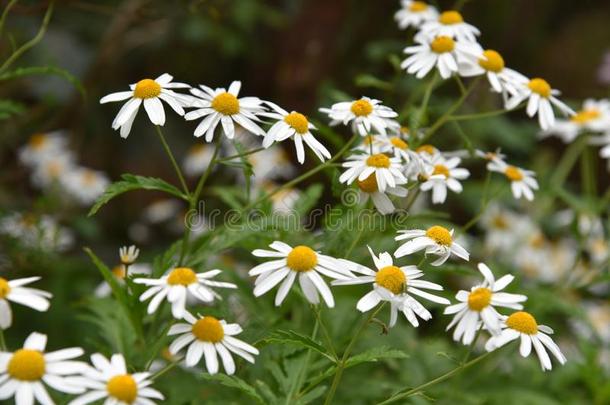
x=441 y=169
x=429 y=149
x=26 y=365
x=499 y=222
x=301 y=258
x=391 y=278
x=182 y=276
x=297 y=121
x=399 y=143
x=37 y=141
x=540 y=86
x=226 y=104
x=378 y=160
x=119 y=271
x=440 y=235
x=492 y=62
x=369 y=185
x=418 y=6
x=4 y=288
x=361 y=108
x=208 y=329
x=585 y=116
x=479 y=299
x=513 y=173
x=147 y=88
x=522 y=322
x=123 y=387
x=450 y=17
x=442 y=44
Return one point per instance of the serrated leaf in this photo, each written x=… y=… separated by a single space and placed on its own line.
x=44 y=70
x=292 y=337
x=237 y=383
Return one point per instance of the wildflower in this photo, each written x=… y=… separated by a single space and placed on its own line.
x=197 y=159
x=387 y=171
x=43 y=146
x=450 y=24
x=522 y=182
x=443 y=174
x=414 y=14
x=53 y=170
x=502 y=79
x=477 y=306
x=14 y=291
x=593 y=117
x=119 y=273
x=489 y=156
x=42 y=232
x=209 y=337
x=365 y=115
x=85 y=185
x=396 y=146
x=128 y=255
x=369 y=188
x=271 y=163
x=436 y=240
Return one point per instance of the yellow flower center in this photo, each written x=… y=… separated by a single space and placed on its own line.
x=523 y=322
x=147 y=88
x=391 y=278
x=479 y=299
x=429 y=149
x=208 y=329
x=492 y=62
x=226 y=104
x=182 y=276
x=26 y=365
x=369 y=185
x=378 y=160
x=54 y=169
x=361 y=108
x=500 y=222
x=440 y=235
x=399 y=143
x=585 y=116
x=301 y=258
x=418 y=6
x=89 y=178
x=537 y=241
x=540 y=86
x=4 y=288
x=441 y=169
x=297 y=121
x=450 y=17
x=513 y=173
x=119 y=271
x=442 y=44
x=123 y=387
x=37 y=141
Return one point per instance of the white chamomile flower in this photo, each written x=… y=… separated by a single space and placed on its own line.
x=222 y=106
x=414 y=14
x=119 y=272
x=109 y=379
x=150 y=93
x=365 y=114
x=84 y=184
x=397 y=285
x=42 y=146
x=14 y=291
x=197 y=159
x=443 y=174
x=522 y=181
x=301 y=261
x=451 y=24
x=540 y=100
x=502 y=79
x=209 y=337
x=387 y=171
x=593 y=117
x=179 y=284
x=524 y=326
x=52 y=170
x=496 y=155
x=128 y=255
x=25 y=372
x=436 y=240
x=296 y=126
x=396 y=146
x=477 y=306
x=369 y=188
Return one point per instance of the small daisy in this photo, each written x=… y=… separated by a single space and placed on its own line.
x=414 y=14
x=179 y=284
x=301 y=261
x=396 y=146
x=387 y=171
x=25 y=372
x=119 y=273
x=477 y=306
x=150 y=93
x=593 y=117
x=522 y=181
x=222 y=106
x=451 y=24
x=502 y=79
x=84 y=184
x=272 y=163
x=435 y=240
x=128 y=255
x=365 y=115
x=197 y=159
x=369 y=188
x=489 y=156
x=443 y=174
x=42 y=146
x=52 y=170
x=209 y=337
x=14 y=291
x=524 y=326
x=296 y=126
x=109 y=379
x=397 y=285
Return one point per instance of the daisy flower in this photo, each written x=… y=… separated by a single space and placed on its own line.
x=436 y=240
x=443 y=174
x=209 y=337
x=150 y=93
x=52 y=170
x=450 y=24
x=25 y=372
x=272 y=163
x=524 y=326
x=119 y=273
x=478 y=306
x=222 y=106
x=593 y=117
x=387 y=171
x=84 y=184
x=177 y=285
x=491 y=64
x=197 y=159
x=108 y=379
x=414 y=14
x=489 y=155
x=365 y=114
x=522 y=181
x=397 y=285
x=42 y=146
x=296 y=126
x=301 y=261
x=396 y=146
x=128 y=255
x=14 y=291
x=369 y=188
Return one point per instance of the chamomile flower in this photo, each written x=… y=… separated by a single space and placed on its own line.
x=489 y=156
x=414 y=14
x=52 y=170
x=222 y=106
x=436 y=240
x=387 y=171
x=42 y=146
x=14 y=291
x=197 y=159
x=25 y=372
x=301 y=261
x=491 y=64
x=522 y=181
x=397 y=285
x=450 y=24
x=109 y=379
x=369 y=188
x=84 y=184
x=398 y=147
x=443 y=174
x=128 y=255
x=365 y=115
x=209 y=337
x=119 y=272
x=179 y=284
x=477 y=306
x=522 y=325
x=150 y=93
x=593 y=117
x=296 y=126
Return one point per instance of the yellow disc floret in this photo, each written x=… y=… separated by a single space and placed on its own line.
x=399 y=143
x=182 y=276
x=450 y=17
x=441 y=169
x=540 y=86
x=297 y=121
x=123 y=387
x=361 y=108
x=4 y=288
x=147 y=88
x=302 y=258
x=119 y=271
x=226 y=104
x=378 y=160
x=523 y=322
x=426 y=148
x=584 y=116
x=37 y=141
x=442 y=44
x=26 y=365
x=391 y=278
x=513 y=173
x=479 y=299
x=418 y=6
x=369 y=185
x=440 y=235
x=208 y=329
x=492 y=61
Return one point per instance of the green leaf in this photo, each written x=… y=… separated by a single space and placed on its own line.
x=237 y=383
x=229 y=195
x=9 y=108
x=375 y=354
x=44 y=70
x=131 y=182
x=292 y=337
x=365 y=80
x=312 y=395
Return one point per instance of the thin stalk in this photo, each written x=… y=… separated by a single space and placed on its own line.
x=303 y=371
x=246 y=153
x=166 y=369
x=169 y=153
x=329 y=341
x=484 y=203
x=425 y=100
x=488 y=114
x=5 y=13
x=2 y=341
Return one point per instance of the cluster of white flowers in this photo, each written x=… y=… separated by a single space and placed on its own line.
x=41 y=232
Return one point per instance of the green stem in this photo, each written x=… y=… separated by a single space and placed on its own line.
x=425 y=100
x=303 y=371
x=329 y=341
x=2 y=341
x=239 y=155
x=488 y=114
x=169 y=153
x=165 y=369
x=568 y=160
x=5 y=13
x=484 y=204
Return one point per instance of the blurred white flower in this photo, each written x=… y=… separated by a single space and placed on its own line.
x=414 y=14
x=14 y=291
x=365 y=115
